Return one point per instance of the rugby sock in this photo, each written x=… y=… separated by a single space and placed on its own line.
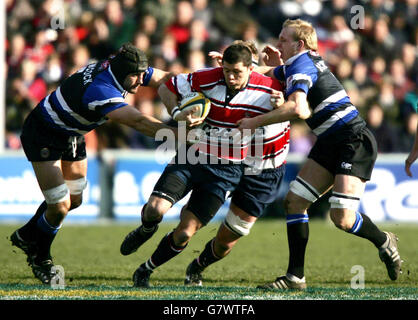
x=165 y=251
x=207 y=257
x=29 y=231
x=365 y=228
x=297 y=237
x=45 y=237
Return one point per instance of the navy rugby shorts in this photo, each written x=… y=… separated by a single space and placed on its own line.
x=255 y=192
x=350 y=152
x=41 y=143
x=211 y=185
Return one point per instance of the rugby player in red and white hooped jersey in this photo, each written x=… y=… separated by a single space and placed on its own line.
x=258 y=188
x=235 y=92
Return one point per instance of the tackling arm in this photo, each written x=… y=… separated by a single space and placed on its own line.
x=133 y=118
x=159 y=77
x=296 y=107
x=413 y=155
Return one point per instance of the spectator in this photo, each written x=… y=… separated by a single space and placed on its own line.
x=53 y=72
x=196 y=60
x=410 y=59
x=149 y=26
x=340 y=32
x=162 y=10
x=29 y=85
x=343 y=69
x=142 y=42
x=121 y=25
x=382 y=130
x=378 y=69
x=98 y=39
x=203 y=12
x=407 y=132
x=15 y=54
x=180 y=28
x=362 y=80
x=382 y=42
x=398 y=75
x=199 y=36
x=228 y=15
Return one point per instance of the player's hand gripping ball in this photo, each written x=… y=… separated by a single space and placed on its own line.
x=194 y=104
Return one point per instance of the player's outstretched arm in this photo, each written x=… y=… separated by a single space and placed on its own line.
x=413 y=155
x=296 y=107
x=159 y=77
x=145 y=124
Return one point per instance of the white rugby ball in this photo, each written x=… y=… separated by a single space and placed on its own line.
x=195 y=99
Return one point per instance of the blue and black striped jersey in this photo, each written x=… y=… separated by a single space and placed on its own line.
x=81 y=102
x=331 y=106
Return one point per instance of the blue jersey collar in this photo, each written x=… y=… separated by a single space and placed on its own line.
x=292 y=59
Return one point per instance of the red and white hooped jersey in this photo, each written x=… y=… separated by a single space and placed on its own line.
x=251 y=101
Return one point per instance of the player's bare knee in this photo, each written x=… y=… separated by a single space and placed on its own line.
x=76 y=188
x=182 y=236
x=343 y=209
x=58 y=211
x=76 y=201
x=222 y=248
x=293 y=203
x=155 y=209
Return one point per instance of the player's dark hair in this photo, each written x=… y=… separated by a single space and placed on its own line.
x=236 y=53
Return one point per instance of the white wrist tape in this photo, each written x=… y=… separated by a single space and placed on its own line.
x=175 y=112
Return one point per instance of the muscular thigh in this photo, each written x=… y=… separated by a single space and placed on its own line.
x=73 y=170
x=349 y=185
x=312 y=181
x=48 y=173
x=317 y=176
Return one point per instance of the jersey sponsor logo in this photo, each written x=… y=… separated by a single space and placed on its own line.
x=346 y=165
x=45 y=153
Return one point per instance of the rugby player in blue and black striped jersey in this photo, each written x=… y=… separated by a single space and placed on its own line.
x=342 y=158
x=53 y=141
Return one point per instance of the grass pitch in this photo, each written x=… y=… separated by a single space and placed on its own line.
x=95 y=270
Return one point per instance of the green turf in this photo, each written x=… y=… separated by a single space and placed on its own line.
x=94 y=268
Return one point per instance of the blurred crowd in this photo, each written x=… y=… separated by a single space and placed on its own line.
x=374 y=55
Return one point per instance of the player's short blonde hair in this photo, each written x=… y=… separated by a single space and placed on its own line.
x=303 y=30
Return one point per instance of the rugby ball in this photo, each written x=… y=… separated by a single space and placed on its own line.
x=194 y=99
